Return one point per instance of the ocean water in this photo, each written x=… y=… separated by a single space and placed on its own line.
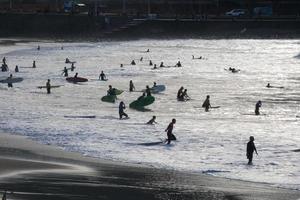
x=208 y=142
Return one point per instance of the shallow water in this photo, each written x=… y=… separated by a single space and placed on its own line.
x=210 y=142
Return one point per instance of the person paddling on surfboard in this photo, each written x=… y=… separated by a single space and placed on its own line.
x=169 y=130
x=48 y=86
x=206 y=104
x=102 y=76
x=9 y=84
x=257 y=106
x=121 y=110
x=152 y=121
x=250 y=150
x=131 y=86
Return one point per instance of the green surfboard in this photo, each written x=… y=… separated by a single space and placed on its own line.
x=109 y=98
x=142 y=102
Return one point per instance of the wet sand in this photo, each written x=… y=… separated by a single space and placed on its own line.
x=32 y=171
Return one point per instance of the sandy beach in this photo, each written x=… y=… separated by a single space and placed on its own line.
x=32 y=171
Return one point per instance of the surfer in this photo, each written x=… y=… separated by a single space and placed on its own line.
x=148 y=50
x=152 y=121
x=250 y=150
x=65 y=72
x=48 y=86
x=169 y=130
x=206 y=104
x=4 y=60
x=16 y=68
x=257 y=106
x=131 y=86
x=154 y=85
x=9 y=84
x=102 y=76
x=76 y=75
x=178 y=64
x=184 y=96
x=33 y=64
x=62 y=48
x=148 y=91
x=121 y=110
x=4 y=67
x=268 y=85
x=132 y=62
x=72 y=67
x=141 y=59
x=67 y=60
x=150 y=63
x=161 y=64
x=38 y=48
x=142 y=97
x=111 y=91
x=179 y=93
x=155 y=67
x=121 y=65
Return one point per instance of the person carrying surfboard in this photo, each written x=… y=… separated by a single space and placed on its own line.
x=250 y=150
x=206 y=104
x=131 y=86
x=121 y=110
x=9 y=84
x=169 y=131
x=48 y=86
x=257 y=106
x=102 y=76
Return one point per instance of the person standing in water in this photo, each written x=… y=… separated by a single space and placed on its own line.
x=169 y=131
x=131 y=86
x=250 y=150
x=257 y=106
x=148 y=91
x=72 y=67
x=16 y=68
x=65 y=72
x=9 y=84
x=150 y=63
x=76 y=75
x=33 y=64
x=152 y=121
x=132 y=62
x=121 y=110
x=179 y=93
x=48 y=86
x=206 y=104
x=102 y=76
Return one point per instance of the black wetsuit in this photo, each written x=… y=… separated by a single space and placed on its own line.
x=121 y=110
x=169 y=133
x=250 y=150
x=206 y=105
x=48 y=86
x=257 y=106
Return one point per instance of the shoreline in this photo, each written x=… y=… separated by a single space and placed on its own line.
x=46 y=165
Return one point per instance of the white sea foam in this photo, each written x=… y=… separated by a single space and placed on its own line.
x=212 y=143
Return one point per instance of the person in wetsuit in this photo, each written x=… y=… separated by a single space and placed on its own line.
x=102 y=76
x=152 y=121
x=257 y=106
x=250 y=150
x=150 y=63
x=10 y=84
x=131 y=86
x=179 y=93
x=184 y=96
x=65 y=72
x=76 y=75
x=48 y=86
x=206 y=104
x=72 y=67
x=169 y=131
x=111 y=91
x=16 y=68
x=121 y=110
x=148 y=91
x=132 y=62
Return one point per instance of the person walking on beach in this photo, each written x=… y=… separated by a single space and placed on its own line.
x=152 y=121
x=102 y=76
x=250 y=150
x=48 y=86
x=257 y=106
x=121 y=110
x=169 y=131
x=206 y=104
x=9 y=84
x=131 y=86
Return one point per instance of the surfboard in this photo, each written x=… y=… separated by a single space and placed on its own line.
x=109 y=98
x=76 y=79
x=52 y=86
x=158 y=88
x=118 y=92
x=11 y=80
x=80 y=116
x=151 y=143
x=142 y=102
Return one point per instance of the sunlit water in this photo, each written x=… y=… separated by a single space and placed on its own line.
x=212 y=142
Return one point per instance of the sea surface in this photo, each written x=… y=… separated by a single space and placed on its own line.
x=208 y=142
